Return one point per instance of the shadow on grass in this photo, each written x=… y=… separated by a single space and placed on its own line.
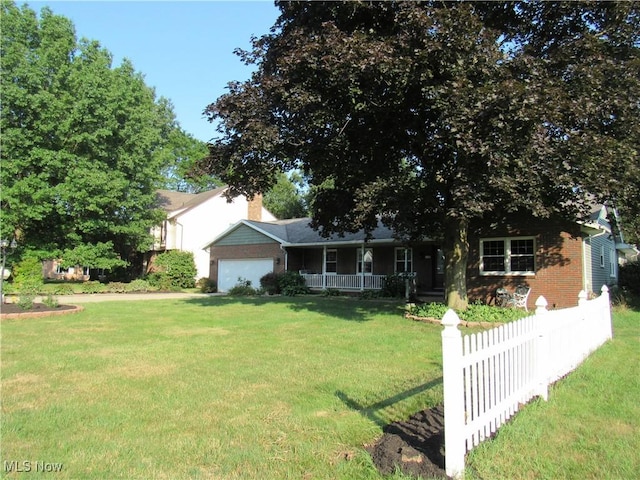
x=349 y=309
x=372 y=412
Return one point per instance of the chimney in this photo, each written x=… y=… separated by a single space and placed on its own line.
x=254 y=208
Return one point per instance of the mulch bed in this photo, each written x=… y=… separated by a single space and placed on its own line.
x=13 y=310
x=414 y=446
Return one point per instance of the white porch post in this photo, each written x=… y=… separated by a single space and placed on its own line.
x=324 y=267
x=362 y=269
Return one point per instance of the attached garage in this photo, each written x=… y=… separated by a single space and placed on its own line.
x=229 y=270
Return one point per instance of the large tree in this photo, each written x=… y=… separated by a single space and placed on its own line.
x=436 y=116
x=81 y=141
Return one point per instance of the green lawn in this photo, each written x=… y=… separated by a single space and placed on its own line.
x=278 y=388
x=216 y=388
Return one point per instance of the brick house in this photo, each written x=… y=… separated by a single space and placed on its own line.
x=556 y=259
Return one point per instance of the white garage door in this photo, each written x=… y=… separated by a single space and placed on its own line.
x=250 y=269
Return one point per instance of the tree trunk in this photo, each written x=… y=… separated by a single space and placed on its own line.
x=456 y=252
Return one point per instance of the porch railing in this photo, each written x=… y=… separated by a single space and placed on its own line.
x=344 y=281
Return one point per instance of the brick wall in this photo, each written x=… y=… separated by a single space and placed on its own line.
x=559 y=264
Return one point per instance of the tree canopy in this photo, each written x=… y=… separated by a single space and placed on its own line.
x=83 y=143
x=286 y=198
x=436 y=116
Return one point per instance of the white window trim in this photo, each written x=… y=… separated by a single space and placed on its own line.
x=327 y=261
x=507 y=257
x=359 y=255
x=406 y=260
x=612 y=262
x=601 y=256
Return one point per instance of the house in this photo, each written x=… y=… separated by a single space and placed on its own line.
x=250 y=249
x=555 y=258
x=192 y=219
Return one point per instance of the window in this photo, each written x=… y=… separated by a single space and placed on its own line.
x=331 y=261
x=612 y=262
x=404 y=260
x=60 y=270
x=504 y=256
x=601 y=256
x=365 y=265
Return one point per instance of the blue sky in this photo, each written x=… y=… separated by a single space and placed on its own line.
x=184 y=49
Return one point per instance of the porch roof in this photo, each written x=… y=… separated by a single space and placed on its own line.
x=298 y=232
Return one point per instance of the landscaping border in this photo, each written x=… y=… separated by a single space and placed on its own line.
x=31 y=314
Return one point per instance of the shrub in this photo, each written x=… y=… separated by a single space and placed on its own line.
x=179 y=267
x=50 y=301
x=330 y=292
x=370 y=294
x=207 y=285
x=477 y=312
x=269 y=283
x=92 y=286
x=28 y=281
x=63 y=289
x=393 y=286
x=629 y=277
x=292 y=284
x=116 y=287
x=139 y=285
x=242 y=288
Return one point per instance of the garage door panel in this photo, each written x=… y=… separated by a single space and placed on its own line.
x=229 y=270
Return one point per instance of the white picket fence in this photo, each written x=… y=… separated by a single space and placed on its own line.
x=488 y=376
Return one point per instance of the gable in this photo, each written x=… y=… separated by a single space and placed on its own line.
x=244 y=235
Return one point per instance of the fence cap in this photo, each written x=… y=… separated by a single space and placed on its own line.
x=450 y=319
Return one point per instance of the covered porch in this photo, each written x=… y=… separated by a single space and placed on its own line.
x=365 y=266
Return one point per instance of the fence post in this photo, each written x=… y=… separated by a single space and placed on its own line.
x=582 y=298
x=606 y=311
x=542 y=348
x=453 y=385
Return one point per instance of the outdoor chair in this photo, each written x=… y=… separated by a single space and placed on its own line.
x=519 y=297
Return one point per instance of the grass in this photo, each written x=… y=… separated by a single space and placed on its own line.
x=279 y=388
x=216 y=388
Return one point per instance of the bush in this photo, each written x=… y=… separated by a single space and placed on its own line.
x=330 y=292
x=139 y=285
x=242 y=289
x=629 y=277
x=393 y=286
x=207 y=285
x=292 y=284
x=50 y=301
x=63 y=289
x=116 y=287
x=92 y=286
x=269 y=283
x=179 y=267
x=28 y=281
x=477 y=312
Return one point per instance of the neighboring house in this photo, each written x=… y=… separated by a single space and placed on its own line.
x=53 y=270
x=193 y=219
x=554 y=258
